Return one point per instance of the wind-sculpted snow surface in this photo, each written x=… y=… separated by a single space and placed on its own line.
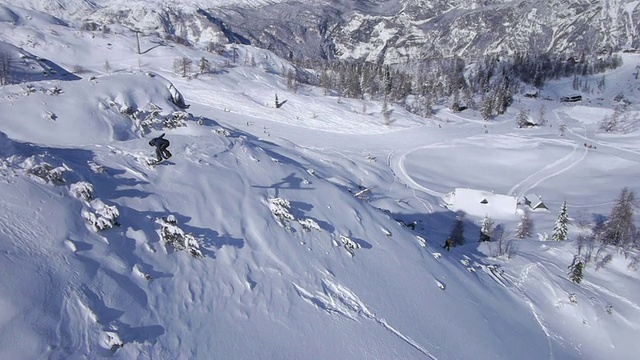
x=112 y=108
x=336 y=299
x=310 y=224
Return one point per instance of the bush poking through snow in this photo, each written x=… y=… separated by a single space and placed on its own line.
x=82 y=190
x=104 y=217
x=349 y=244
x=223 y=132
x=151 y=118
x=280 y=209
x=176 y=120
x=96 y=168
x=176 y=238
x=48 y=173
x=309 y=224
x=422 y=241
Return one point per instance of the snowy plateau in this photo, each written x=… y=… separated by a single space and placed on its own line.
x=311 y=227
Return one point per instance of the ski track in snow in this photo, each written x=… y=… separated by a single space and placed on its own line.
x=519 y=288
x=600 y=146
x=555 y=168
x=596 y=288
x=603 y=146
x=407 y=179
x=337 y=299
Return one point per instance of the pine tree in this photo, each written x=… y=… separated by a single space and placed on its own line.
x=388 y=84
x=575 y=270
x=525 y=227
x=204 y=65
x=560 y=228
x=182 y=66
x=522 y=119
x=542 y=112
x=487 y=107
x=457 y=232
x=5 y=68
x=386 y=112
x=619 y=229
x=486 y=229
x=602 y=83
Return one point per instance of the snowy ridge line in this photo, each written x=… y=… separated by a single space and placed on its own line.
x=337 y=299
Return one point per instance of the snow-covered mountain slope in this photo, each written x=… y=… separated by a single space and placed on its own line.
x=390 y=31
x=320 y=227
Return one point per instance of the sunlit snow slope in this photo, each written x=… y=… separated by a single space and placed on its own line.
x=320 y=227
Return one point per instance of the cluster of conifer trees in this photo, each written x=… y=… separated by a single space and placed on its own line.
x=487 y=84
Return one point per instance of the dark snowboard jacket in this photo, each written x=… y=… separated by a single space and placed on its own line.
x=159 y=142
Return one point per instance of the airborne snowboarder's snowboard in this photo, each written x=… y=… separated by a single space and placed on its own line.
x=158 y=162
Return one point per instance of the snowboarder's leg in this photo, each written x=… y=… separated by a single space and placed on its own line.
x=164 y=151
x=159 y=154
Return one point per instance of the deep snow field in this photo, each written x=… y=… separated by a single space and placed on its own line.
x=274 y=197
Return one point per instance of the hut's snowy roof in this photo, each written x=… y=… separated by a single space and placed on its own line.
x=482 y=203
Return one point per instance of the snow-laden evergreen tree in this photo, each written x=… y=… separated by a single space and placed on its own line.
x=486 y=229
x=486 y=108
x=560 y=229
x=177 y=238
x=204 y=65
x=619 y=229
x=542 y=115
x=575 y=270
x=525 y=227
x=522 y=119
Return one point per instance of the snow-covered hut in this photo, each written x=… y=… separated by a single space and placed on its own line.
x=482 y=203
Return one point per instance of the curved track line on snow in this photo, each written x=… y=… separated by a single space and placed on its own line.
x=408 y=180
x=565 y=163
x=399 y=164
x=338 y=299
x=624 y=153
x=612 y=294
x=518 y=286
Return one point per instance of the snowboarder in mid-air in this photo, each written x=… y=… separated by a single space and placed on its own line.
x=161 y=145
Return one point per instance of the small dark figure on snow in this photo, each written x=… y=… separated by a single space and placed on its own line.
x=447 y=244
x=161 y=145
